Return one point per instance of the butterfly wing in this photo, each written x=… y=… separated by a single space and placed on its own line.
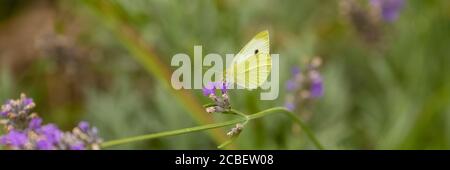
x=251 y=66
x=255 y=73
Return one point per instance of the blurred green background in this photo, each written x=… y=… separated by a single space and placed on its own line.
x=387 y=84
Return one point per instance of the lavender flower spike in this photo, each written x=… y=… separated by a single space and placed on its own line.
x=316 y=85
x=209 y=89
x=389 y=9
x=24 y=130
x=15 y=139
x=221 y=102
x=35 y=123
x=84 y=126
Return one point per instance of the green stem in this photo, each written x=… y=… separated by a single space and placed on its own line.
x=218 y=125
x=306 y=129
x=170 y=133
x=226 y=143
x=239 y=113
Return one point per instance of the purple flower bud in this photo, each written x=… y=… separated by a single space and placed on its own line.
x=209 y=89
x=316 y=85
x=291 y=85
x=78 y=146
x=44 y=145
x=224 y=87
x=15 y=139
x=317 y=90
x=27 y=101
x=84 y=126
x=51 y=133
x=35 y=123
x=222 y=102
x=295 y=70
x=389 y=8
x=6 y=108
x=290 y=106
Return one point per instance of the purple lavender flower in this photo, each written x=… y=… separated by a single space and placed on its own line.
x=24 y=130
x=291 y=85
x=304 y=85
x=44 y=144
x=27 y=102
x=4 y=113
x=78 y=146
x=209 y=89
x=15 y=139
x=389 y=9
x=51 y=133
x=224 y=87
x=295 y=71
x=84 y=126
x=290 y=106
x=17 y=113
x=221 y=102
x=316 y=85
x=6 y=108
x=35 y=123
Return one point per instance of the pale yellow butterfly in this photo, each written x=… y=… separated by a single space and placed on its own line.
x=251 y=67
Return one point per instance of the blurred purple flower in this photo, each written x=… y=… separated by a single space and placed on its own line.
x=35 y=123
x=389 y=9
x=6 y=108
x=316 y=85
x=17 y=112
x=304 y=85
x=44 y=145
x=78 y=146
x=295 y=71
x=84 y=126
x=4 y=113
x=51 y=133
x=14 y=139
x=290 y=106
x=27 y=102
x=291 y=85
x=24 y=130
